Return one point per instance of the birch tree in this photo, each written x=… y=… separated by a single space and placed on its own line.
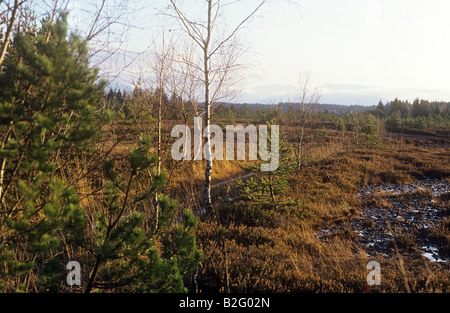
x=309 y=99
x=161 y=66
x=215 y=39
x=9 y=18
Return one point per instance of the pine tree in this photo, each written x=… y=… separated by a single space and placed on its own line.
x=267 y=188
x=127 y=253
x=379 y=112
x=47 y=105
x=394 y=121
x=48 y=109
x=371 y=132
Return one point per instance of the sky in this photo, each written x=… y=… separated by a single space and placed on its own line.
x=355 y=51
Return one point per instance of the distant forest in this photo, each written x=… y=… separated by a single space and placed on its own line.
x=397 y=115
x=419 y=107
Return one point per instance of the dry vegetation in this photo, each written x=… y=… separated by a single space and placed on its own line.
x=251 y=249
x=248 y=249
x=80 y=178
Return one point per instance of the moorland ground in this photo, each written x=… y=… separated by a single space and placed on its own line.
x=250 y=247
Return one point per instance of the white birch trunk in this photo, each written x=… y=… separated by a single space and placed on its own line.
x=208 y=169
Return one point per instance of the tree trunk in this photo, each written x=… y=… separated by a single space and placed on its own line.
x=3 y=165
x=208 y=170
x=200 y=32
x=300 y=149
x=8 y=33
x=302 y=129
x=2 y=173
x=158 y=166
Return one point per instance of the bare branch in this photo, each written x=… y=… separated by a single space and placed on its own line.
x=91 y=33
x=189 y=26
x=238 y=27
x=4 y=47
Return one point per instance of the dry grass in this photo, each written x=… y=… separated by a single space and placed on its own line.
x=250 y=249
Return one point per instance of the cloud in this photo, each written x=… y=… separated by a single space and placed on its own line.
x=331 y=94
x=347 y=87
x=350 y=94
x=271 y=93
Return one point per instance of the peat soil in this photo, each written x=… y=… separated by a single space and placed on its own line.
x=399 y=219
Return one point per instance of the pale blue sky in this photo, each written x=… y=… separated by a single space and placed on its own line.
x=356 y=51
x=359 y=51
